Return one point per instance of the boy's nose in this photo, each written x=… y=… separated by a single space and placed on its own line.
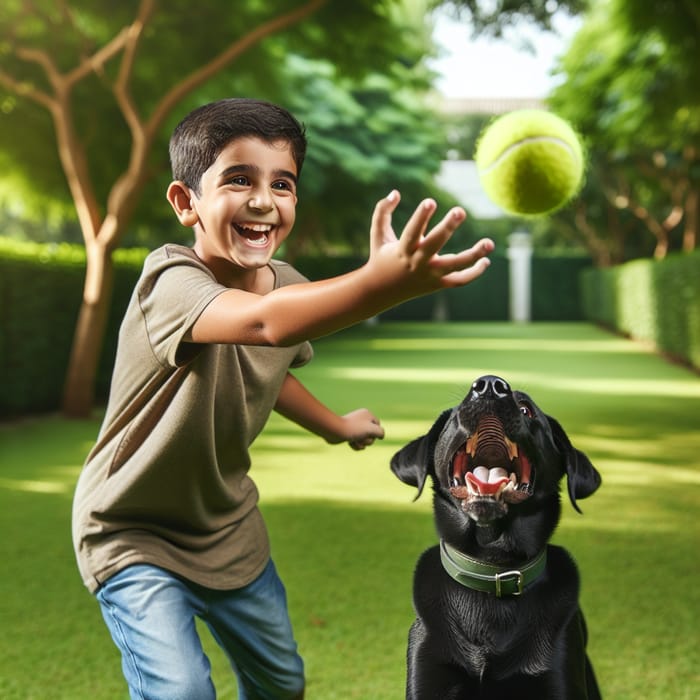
x=260 y=201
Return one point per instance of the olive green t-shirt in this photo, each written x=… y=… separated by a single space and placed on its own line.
x=167 y=481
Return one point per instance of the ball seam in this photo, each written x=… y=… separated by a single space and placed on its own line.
x=529 y=139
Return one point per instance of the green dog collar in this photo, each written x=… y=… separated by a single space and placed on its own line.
x=480 y=576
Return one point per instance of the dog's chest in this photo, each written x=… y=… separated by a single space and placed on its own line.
x=487 y=636
x=500 y=643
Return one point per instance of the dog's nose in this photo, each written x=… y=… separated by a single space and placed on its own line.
x=490 y=386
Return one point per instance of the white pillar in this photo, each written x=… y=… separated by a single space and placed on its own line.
x=519 y=256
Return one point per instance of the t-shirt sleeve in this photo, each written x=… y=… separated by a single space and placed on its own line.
x=173 y=292
x=304 y=355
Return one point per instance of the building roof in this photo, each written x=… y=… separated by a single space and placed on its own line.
x=487 y=105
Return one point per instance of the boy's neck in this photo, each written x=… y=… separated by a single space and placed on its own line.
x=259 y=280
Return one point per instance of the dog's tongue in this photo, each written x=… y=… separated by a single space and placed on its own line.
x=487 y=482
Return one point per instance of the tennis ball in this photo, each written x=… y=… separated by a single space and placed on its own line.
x=530 y=162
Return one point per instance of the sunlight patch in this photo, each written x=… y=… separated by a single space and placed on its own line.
x=505 y=344
x=413 y=375
x=625 y=473
x=585 y=385
x=31 y=486
x=634 y=449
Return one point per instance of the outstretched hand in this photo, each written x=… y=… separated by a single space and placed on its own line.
x=413 y=260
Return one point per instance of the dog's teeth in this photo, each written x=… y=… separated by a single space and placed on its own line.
x=497 y=474
x=512 y=450
x=482 y=474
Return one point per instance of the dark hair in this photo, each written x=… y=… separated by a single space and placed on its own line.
x=203 y=133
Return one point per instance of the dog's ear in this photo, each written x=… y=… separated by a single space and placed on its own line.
x=582 y=478
x=414 y=462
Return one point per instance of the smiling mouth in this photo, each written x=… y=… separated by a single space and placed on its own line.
x=489 y=467
x=256 y=235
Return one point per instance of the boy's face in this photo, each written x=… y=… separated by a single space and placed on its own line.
x=247 y=203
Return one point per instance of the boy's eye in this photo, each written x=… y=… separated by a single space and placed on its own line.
x=239 y=180
x=282 y=185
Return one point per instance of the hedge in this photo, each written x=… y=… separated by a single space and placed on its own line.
x=555 y=291
x=41 y=288
x=40 y=294
x=652 y=300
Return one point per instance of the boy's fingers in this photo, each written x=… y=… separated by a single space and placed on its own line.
x=366 y=440
x=416 y=226
x=466 y=266
x=381 y=231
x=441 y=233
x=469 y=274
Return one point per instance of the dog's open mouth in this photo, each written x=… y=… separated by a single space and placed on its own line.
x=490 y=467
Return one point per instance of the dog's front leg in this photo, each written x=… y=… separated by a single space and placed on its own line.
x=429 y=676
x=573 y=677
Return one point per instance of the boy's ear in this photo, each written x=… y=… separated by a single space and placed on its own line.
x=180 y=199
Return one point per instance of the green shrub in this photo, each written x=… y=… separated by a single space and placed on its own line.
x=555 y=287
x=40 y=295
x=653 y=300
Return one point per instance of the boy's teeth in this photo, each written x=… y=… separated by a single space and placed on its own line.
x=254 y=233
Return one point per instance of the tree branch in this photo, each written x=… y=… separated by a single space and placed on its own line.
x=94 y=63
x=201 y=75
x=121 y=87
x=70 y=150
x=24 y=89
x=134 y=33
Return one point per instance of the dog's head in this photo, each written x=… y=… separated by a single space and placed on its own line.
x=495 y=454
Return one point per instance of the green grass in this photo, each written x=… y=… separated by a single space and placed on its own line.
x=346 y=533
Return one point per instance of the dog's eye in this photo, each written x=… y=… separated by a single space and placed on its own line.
x=526 y=410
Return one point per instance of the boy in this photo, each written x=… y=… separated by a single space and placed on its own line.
x=165 y=523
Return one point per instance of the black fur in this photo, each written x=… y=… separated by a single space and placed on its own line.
x=467 y=643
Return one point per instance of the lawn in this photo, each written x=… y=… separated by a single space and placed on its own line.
x=346 y=533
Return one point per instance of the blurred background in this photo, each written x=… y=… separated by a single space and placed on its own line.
x=394 y=93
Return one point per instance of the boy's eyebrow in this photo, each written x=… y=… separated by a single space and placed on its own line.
x=248 y=168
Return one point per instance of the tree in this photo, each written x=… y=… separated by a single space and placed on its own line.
x=493 y=18
x=365 y=135
x=90 y=64
x=630 y=89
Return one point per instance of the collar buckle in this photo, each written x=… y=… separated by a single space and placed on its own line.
x=509 y=577
x=488 y=578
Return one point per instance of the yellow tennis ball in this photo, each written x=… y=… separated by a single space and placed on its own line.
x=530 y=162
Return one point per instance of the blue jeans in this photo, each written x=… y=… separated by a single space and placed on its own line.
x=151 y=614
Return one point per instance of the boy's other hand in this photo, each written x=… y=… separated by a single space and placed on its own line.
x=412 y=261
x=360 y=428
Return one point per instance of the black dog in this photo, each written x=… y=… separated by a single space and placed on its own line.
x=496 y=605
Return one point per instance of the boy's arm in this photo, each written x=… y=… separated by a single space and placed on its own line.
x=398 y=269
x=359 y=428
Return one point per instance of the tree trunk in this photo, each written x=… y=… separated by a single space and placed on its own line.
x=79 y=389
